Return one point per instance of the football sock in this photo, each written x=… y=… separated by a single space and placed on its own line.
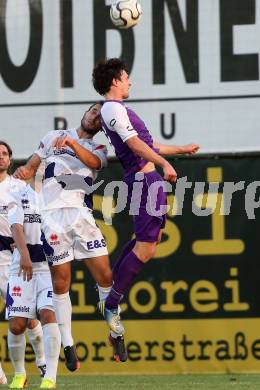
x=127 y=248
x=52 y=344
x=16 y=347
x=36 y=339
x=103 y=292
x=1 y=371
x=63 y=311
x=127 y=272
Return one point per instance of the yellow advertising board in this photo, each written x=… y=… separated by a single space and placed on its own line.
x=163 y=346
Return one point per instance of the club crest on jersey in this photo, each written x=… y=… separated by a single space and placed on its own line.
x=41 y=146
x=25 y=203
x=16 y=291
x=54 y=239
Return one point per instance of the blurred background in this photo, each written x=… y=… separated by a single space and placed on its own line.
x=194 y=66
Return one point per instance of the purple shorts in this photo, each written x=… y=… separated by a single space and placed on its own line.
x=147 y=202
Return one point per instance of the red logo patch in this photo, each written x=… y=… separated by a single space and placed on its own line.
x=54 y=239
x=17 y=291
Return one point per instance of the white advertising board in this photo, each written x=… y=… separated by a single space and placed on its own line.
x=194 y=67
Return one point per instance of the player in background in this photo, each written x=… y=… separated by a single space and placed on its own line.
x=138 y=154
x=8 y=185
x=30 y=289
x=72 y=160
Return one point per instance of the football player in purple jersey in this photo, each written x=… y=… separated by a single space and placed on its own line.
x=138 y=154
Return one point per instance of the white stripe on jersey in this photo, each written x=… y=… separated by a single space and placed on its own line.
x=24 y=209
x=66 y=177
x=7 y=187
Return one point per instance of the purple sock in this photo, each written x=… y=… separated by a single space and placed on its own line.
x=129 y=268
x=127 y=248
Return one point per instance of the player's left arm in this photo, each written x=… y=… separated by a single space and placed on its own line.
x=171 y=150
x=85 y=156
x=15 y=220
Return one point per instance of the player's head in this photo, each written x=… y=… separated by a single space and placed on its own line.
x=91 y=121
x=5 y=156
x=110 y=76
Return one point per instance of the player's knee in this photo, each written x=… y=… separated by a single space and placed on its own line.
x=145 y=253
x=32 y=324
x=105 y=278
x=60 y=285
x=47 y=316
x=17 y=326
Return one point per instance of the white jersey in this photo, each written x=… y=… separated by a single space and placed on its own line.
x=7 y=187
x=24 y=209
x=67 y=181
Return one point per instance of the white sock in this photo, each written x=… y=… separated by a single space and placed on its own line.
x=16 y=347
x=103 y=293
x=36 y=339
x=3 y=380
x=63 y=311
x=52 y=343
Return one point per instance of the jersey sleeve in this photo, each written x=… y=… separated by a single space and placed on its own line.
x=101 y=152
x=45 y=144
x=15 y=210
x=115 y=116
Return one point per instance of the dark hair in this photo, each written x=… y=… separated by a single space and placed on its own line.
x=101 y=102
x=10 y=152
x=104 y=73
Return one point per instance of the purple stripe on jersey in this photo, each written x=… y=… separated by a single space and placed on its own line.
x=130 y=161
x=5 y=243
x=36 y=253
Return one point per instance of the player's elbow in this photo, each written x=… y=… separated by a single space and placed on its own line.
x=96 y=164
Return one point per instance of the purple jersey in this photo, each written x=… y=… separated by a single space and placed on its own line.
x=120 y=123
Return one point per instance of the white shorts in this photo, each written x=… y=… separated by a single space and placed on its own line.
x=4 y=270
x=25 y=299
x=71 y=233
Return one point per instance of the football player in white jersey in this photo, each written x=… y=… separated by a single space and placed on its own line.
x=67 y=221
x=29 y=288
x=8 y=184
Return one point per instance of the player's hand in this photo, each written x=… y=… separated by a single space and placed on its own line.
x=62 y=142
x=169 y=173
x=25 y=267
x=191 y=148
x=22 y=173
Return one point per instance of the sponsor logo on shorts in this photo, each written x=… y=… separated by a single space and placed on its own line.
x=63 y=255
x=54 y=239
x=31 y=218
x=16 y=291
x=18 y=309
x=94 y=244
x=49 y=294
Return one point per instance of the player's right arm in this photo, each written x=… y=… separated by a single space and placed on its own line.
x=143 y=150
x=15 y=219
x=116 y=118
x=27 y=171
x=85 y=156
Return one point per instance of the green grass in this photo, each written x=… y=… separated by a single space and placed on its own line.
x=152 y=382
